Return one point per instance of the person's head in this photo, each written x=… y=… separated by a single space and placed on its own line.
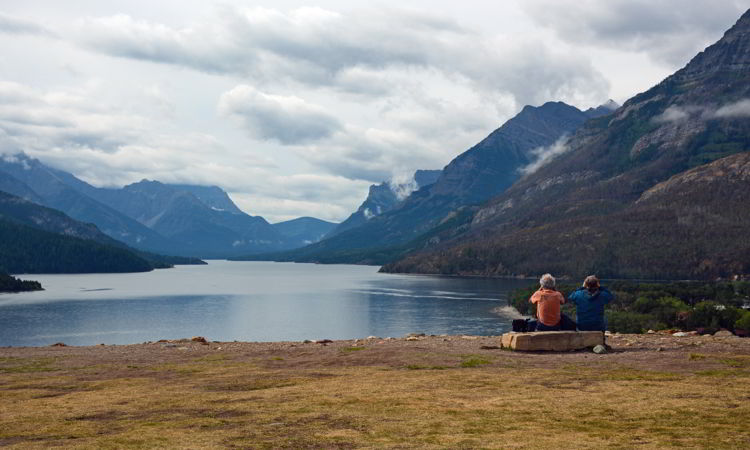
x=547 y=281
x=591 y=283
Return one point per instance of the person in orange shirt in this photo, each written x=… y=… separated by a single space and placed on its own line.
x=548 y=301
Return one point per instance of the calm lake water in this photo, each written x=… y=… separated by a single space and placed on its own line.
x=251 y=301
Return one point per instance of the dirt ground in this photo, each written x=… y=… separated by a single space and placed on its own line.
x=650 y=391
x=653 y=351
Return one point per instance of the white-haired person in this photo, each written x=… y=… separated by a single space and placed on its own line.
x=590 y=300
x=548 y=301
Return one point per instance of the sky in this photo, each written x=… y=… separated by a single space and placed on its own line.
x=296 y=108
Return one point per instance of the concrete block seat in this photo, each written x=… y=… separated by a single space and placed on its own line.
x=558 y=341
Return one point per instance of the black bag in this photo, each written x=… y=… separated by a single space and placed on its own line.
x=524 y=325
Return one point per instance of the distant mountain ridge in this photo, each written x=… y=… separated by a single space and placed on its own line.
x=182 y=220
x=23 y=213
x=304 y=230
x=655 y=190
x=55 y=190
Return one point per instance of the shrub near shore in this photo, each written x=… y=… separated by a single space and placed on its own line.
x=638 y=307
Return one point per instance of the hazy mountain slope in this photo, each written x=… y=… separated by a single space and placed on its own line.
x=212 y=196
x=179 y=215
x=55 y=193
x=154 y=216
x=304 y=230
x=24 y=212
x=12 y=185
x=585 y=212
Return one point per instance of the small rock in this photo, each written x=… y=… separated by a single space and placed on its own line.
x=323 y=341
x=680 y=334
x=723 y=333
x=168 y=345
x=307 y=341
x=651 y=332
x=660 y=349
x=218 y=348
x=58 y=344
x=608 y=333
x=600 y=349
x=416 y=335
x=198 y=339
x=372 y=337
x=182 y=348
x=471 y=338
x=412 y=338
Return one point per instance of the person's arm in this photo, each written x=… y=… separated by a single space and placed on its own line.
x=605 y=295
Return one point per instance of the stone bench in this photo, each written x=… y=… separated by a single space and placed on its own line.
x=558 y=341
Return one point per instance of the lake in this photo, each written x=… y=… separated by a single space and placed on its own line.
x=251 y=301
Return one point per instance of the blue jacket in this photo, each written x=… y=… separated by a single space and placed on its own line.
x=590 y=308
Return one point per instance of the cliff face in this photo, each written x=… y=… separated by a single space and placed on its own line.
x=595 y=209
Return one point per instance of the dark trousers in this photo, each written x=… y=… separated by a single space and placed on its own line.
x=565 y=324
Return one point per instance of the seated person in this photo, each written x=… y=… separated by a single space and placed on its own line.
x=590 y=300
x=548 y=301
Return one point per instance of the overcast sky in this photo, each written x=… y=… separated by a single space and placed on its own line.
x=295 y=108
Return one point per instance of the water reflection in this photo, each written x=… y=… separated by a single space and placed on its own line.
x=250 y=301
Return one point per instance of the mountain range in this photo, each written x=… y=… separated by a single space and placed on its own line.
x=476 y=175
x=36 y=239
x=173 y=219
x=658 y=189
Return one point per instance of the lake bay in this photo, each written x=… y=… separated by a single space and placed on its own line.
x=251 y=301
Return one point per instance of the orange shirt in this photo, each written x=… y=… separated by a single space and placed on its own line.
x=548 y=303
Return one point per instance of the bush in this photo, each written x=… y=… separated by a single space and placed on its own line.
x=712 y=315
x=743 y=323
x=664 y=309
x=631 y=322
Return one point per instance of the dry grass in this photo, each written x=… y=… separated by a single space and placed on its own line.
x=487 y=400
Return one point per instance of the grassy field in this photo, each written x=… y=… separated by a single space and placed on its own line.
x=353 y=396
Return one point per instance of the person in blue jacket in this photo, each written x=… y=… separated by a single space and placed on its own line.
x=590 y=300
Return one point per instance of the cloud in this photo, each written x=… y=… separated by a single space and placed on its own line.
x=738 y=109
x=681 y=113
x=348 y=51
x=543 y=155
x=14 y=25
x=669 y=32
x=402 y=185
x=677 y=114
x=289 y=120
